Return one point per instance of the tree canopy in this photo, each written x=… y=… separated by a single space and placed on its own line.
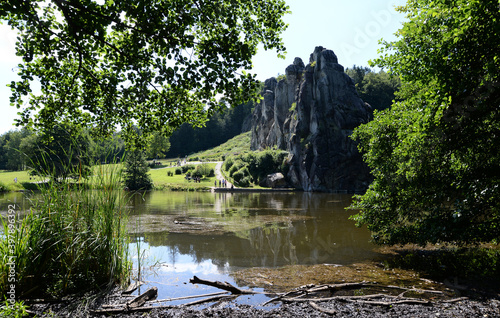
x=154 y=64
x=59 y=153
x=376 y=88
x=435 y=154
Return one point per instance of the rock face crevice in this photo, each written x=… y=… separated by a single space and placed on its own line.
x=311 y=114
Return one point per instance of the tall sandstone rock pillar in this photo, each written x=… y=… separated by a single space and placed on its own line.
x=311 y=114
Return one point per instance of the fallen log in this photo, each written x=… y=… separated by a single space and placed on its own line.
x=455 y=300
x=111 y=311
x=222 y=285
x=209 y=299
x=187 y=297
x=337 y=286
x=141 y=299
x=130 y=289
x=365 y=299
x=391 y=303
x=323 y=310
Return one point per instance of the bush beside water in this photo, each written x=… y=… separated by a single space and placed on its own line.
x=253 y=167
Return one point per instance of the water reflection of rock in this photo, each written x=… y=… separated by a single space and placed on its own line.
x=268 y=230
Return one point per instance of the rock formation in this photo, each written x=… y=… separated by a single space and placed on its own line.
x=311 y=114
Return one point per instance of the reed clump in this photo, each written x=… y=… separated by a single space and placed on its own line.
x=70 y=241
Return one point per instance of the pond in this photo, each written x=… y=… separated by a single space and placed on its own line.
x=176 y=235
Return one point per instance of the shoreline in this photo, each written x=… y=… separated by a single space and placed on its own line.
x=254 y=190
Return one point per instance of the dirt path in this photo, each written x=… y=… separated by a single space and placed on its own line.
x=219 y=176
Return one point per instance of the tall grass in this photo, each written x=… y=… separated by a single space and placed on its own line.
x=72 y=240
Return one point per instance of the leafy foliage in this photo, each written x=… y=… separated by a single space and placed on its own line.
x=434 y=155
x=377 y=89
x=157 y=146
x=252 y=167
x=154 y=64
x=59 y=153
x=11 y=156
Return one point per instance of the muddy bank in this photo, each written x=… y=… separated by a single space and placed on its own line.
x=463 y=308
x=384 y=293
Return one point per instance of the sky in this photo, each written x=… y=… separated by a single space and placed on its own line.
x=350 y=28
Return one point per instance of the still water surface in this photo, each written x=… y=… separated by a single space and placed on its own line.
x=176 y=235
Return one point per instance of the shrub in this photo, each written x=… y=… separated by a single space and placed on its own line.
x=211 y=173
x=203 y=169
x=240 y=174
x=232 y=170
x=197 y=174
x=245 y=182
x=228 y=163
x=187 y=168
x=178 y=171
x=237 y=165
x=257 y=165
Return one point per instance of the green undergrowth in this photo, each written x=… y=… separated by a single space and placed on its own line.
x=249 y=169
x=473 y=265
x=71 y=241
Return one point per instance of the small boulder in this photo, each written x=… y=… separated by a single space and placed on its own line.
x=274 y=180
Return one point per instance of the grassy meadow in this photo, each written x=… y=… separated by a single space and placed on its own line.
x=162 y=180
x=160 y=175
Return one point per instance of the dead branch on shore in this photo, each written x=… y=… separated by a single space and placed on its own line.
x=309 y=293
x=188 y=297
x=135 y=304
x=132 y=287
x=222 y=285
x=323 y=310
x=208 y=300
x=126 y=308
x=337 y=286
x=141 y=299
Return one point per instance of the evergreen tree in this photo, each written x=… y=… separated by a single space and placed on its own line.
x=135 y=174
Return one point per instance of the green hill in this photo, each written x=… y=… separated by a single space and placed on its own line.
x=234 y=146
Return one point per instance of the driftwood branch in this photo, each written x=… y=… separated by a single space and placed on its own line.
x=141 y=299
x=455 y=300
x=188 y=297
x=122 y=308
x=362 y=299
x=207 y=300
x=337 y=286
x=130 y=289
x=222 y=285
x=111 y=311
x=323 y=310
x=412 y=301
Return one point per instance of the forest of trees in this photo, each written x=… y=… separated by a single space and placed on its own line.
x=376 y=88
x=18 y=148
x=221 y=127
